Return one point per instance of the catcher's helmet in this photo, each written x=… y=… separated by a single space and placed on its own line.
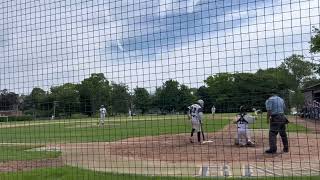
x=200 y=102
x=243 y=108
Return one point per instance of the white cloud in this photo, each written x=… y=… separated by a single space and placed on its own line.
x=258 y=44
x=45 y=44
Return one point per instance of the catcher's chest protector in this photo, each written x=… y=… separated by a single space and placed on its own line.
x=242 y=123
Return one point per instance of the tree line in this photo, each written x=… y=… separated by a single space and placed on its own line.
x=226 y=91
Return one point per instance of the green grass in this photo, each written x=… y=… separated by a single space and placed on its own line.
x=12 y=153
x=115 y=129
x=69 y=173
x=292 y=127
x=86 y=130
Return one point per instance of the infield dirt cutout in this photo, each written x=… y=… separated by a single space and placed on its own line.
x=174 y=155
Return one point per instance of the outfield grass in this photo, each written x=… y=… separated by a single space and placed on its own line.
x=261 y=123
x=69 y=173
x=86 y=130
x=12 y=153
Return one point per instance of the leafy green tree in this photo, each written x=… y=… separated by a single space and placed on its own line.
x=298 y=67
x=315 y=48
x=276 y=78
x=279 y=79
x=315 y=41
x=167 y=96
x=222 y=89
x=38 y=97
x=230 y=91
x=66 y=97
x=142 y=99
x=156 y=99
x=185 y=98
x=296 y=98
x=94 y=91
x=8 y=100
x=37 y=103
x=173 y=96
x=120 y=98
x=203 y=93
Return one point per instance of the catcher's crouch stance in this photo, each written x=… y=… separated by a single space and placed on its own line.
x=195 y=113
x=243 y=132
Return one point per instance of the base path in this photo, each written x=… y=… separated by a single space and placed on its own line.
x=174 y=155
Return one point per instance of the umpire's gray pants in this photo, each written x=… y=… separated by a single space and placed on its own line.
x=275 y=128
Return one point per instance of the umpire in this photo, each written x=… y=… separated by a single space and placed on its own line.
x=275 y=116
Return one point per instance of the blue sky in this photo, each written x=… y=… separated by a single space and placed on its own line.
x=144 y=43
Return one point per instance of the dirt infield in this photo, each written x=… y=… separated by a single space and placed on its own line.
x=175 y=155
x=15 y=166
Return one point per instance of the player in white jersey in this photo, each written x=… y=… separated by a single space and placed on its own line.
x=103 y=113
x=243 y=133
x=195 y=114
x=213 y=111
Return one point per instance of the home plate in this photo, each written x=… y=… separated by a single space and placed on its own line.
x=205 y=142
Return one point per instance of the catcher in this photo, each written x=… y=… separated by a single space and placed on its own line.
x=243 y=133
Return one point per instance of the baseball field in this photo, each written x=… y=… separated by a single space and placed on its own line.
x=151 y=147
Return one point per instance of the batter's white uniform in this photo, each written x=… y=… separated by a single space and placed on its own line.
x=196 y=115
x=103 y=113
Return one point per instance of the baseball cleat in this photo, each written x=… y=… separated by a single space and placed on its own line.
x=250 y=144
x=269 y=151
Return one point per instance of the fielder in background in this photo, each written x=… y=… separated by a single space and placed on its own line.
x=275 y=115
x=256 y=111
x=243 y=132
x=195 y=114
x=213 y=111
x=129 y=113
x=103 y=113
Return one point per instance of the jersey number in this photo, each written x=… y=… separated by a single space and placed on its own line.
x=193 y=112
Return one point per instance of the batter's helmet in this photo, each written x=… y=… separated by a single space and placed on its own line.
x=243 y=108
x=200 y=102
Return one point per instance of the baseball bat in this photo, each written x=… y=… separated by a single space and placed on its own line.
x=202 y=131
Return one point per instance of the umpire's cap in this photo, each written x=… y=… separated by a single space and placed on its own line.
x=273 y=91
